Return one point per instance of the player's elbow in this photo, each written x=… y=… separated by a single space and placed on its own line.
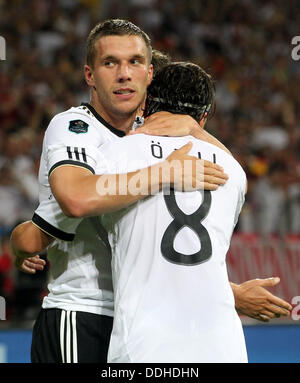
x=73 y=208
x=23 y=239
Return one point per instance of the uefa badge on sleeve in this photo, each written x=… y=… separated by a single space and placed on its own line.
x=78 y=126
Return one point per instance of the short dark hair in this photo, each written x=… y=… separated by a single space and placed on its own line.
x=182 y=88
x=159 y=60
x=114 y=27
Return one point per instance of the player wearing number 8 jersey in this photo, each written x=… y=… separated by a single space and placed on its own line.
x=118 y=70
x=173 y=300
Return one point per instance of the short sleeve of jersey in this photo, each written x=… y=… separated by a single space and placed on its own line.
x=72 y=139
x=50 y=219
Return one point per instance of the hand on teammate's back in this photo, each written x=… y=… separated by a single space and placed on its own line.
x=188 y=173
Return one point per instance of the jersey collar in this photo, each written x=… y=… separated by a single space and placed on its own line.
x=115 y=131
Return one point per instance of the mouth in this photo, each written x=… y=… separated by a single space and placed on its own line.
x=124 y=93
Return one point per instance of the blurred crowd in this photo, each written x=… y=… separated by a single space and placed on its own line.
x=245 y=45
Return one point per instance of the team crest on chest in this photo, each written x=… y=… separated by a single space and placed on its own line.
x=78 y=126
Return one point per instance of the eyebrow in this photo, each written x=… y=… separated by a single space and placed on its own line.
x=109 y=57
x=114 y=58
x=137 y=56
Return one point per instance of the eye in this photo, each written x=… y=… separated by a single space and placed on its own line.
x=108 y=63
x=135 y=61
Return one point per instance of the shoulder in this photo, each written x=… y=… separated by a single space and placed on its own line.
x=223 y=158
x=70 y=121
x=75 y=125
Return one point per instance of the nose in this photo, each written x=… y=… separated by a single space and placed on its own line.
x=124 y=73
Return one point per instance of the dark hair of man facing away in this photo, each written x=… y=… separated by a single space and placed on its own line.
x=182 y=88
x=114 y=27
x=159 y=60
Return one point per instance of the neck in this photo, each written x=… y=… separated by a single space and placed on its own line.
x=120 y=122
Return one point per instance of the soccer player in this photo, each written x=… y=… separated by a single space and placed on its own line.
x=81 y=289
x=156 y=154
x=172 y=298
x=118 y=71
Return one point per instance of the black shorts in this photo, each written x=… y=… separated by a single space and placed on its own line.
x=61 y=336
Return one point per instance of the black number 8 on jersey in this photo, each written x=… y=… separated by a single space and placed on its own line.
x=192 y=221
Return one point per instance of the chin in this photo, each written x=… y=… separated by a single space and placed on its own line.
x=128 y=110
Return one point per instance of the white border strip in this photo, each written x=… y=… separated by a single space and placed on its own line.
x=74 y=332
x=62 y=333
x=68 y=339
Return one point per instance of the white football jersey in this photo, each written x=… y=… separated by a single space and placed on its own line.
x=173 y=299
x=81 y=272
x=72 y=138
x=79 y=259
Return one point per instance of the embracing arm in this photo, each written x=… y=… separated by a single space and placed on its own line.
x=26 y=242
x=81 y=194
x=253 y=300
x=177 y=125
x=203 y=135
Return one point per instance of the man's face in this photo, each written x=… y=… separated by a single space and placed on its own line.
x=120 y=75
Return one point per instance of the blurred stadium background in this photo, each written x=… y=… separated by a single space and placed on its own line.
x=246 y=46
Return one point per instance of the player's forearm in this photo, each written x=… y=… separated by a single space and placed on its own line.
x=89 y=195
x=121 y=190
x=81 y=194
x=234 y=288
x=207 y=137
x=27 y=240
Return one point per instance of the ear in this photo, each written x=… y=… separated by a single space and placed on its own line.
x=203 y=120
x=150 y=74
x=88 y=75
